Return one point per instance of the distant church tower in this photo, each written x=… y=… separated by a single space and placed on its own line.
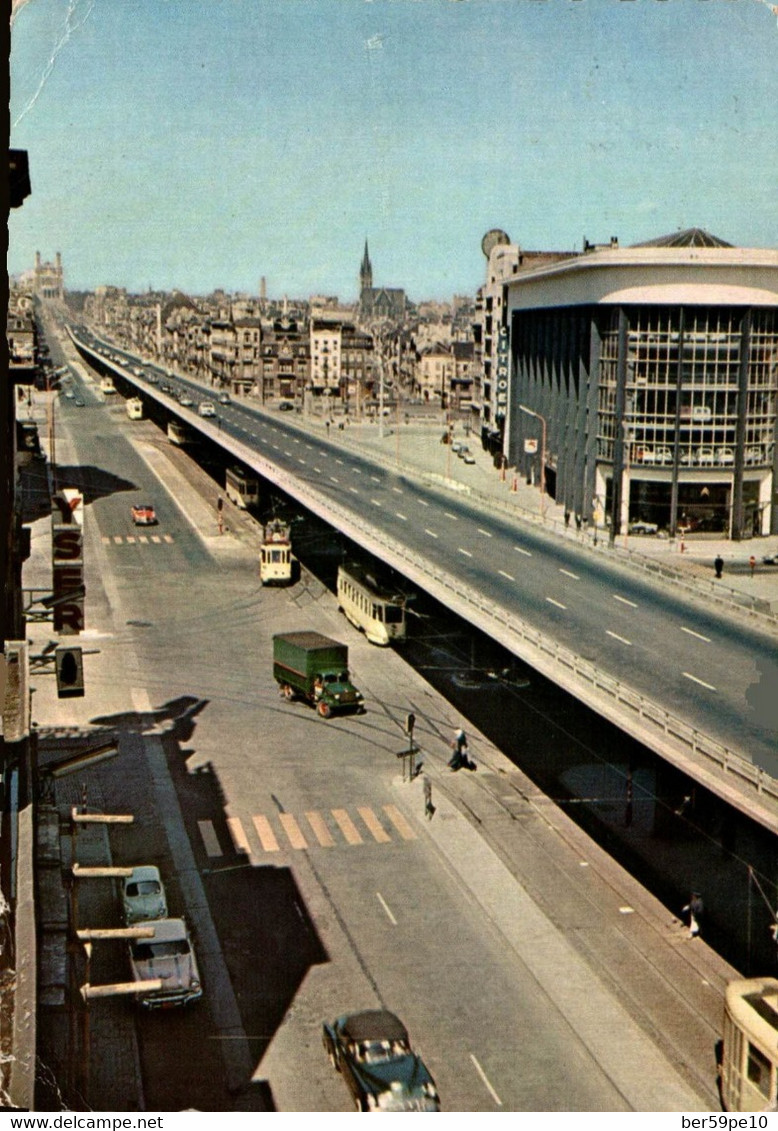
x=365 y=272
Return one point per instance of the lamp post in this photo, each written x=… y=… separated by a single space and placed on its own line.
x=542 y=419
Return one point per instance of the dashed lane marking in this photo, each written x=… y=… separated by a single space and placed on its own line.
x=376 y=503
x=453 y=517
x=621 y=639
x=267 y=838
x=519 y=550
x=486 y=533
x=210 y=839
x=509 y=576
x=399 y=822
x=624 y=601
x=404 y=517
x=293 y=831
x=465 y=552
x=569 y=573
x=698 y=635
x=431 y=533
x=558 y=604
x=702 y=683
x=347 y=826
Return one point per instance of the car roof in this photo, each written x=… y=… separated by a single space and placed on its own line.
x=374 y=1025
x=143 y=872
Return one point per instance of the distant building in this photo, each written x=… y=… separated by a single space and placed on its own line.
x=655 y=371
x=378 y=303
x=285 y=359
x=48 y=279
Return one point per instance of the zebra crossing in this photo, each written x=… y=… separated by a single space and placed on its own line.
x=134 y=539
x=332 y=828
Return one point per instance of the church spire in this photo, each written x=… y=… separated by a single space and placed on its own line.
x=365 y=271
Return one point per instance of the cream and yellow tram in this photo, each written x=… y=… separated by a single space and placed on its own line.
x=749 y=1052
x=275 y=554
x=241 y=487
x=373 y=609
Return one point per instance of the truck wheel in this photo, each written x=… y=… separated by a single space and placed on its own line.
x=288 y=692
x=324 y=710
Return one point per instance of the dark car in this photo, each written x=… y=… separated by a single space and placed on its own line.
x=285 y=406
x=372 y=1051
x=770 y=559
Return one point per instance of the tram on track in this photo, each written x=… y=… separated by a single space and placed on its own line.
x=749 y=1049
x=371 y=607
x=241 y=487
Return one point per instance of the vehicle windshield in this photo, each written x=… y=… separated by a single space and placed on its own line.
x=169 y=948
x=374 y=1052
x=144 y=887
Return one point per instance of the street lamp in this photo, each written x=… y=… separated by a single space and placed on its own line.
x=542 y=419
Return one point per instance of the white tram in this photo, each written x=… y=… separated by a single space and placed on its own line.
x=241 y=487
x=275 y=554
x=749 y=1053
x=373 y=609
x=178 y=433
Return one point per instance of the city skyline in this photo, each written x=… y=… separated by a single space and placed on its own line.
x=196 y=147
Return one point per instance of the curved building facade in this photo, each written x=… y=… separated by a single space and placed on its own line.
x=653 y=372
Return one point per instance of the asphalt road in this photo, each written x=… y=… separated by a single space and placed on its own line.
x=720 y=676
x=367 y=912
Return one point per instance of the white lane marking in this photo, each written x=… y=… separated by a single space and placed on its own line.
x=357 y=470
x=402 y=516
x=333 y=479
x=288 y=454
x=353 y=490
x=699 y=635
x=422 y=502
x=624 y=601
x=484 y=532
x=297 y=440
x=385 y=906
x=567 y=573
x=485 y=1079
x=431 y=533
x=465 y=552
x=375 y=478
x=340 y=461
x=397 y=490
x=302 y=461
x=504 y=574
x=453 y=517
x=519 y=550
x=317 y=470
x=376 y=503
x=616 y=636
x=558 y=604
x=701 y=682
x=309 y=447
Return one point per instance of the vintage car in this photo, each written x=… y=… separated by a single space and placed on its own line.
x=143 y=895
x=169 y=957
x=372 y=1051
x=143 y=514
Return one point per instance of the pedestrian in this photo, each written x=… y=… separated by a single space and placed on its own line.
x=718 y=565
x=429 y=808
x=752 y=564
x=567 y=518
x=459 y=750
x=578 y=522
x=695 y=910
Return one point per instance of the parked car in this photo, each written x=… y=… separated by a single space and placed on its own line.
x=467 y=457
x=456 y=446
x=640 y=527
x=373 y=1053
x=143 y=895
x=185 y=400
x=169 y=956
x=206 y=408
x=462 y=450
x=285 y=406
x=143 y=514
x=770 y=559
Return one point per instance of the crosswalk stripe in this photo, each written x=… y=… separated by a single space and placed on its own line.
x=320 y=830
x=131 y=539
x=117 y=539
x=267 y=838
x=293 y=830
x=168 y=538
x=156 y=538
x=239 y=839
x=399 y=822
x=347 y=826
x=106 y=540
x=210 y=840
x=376 y=828
x=142 y=538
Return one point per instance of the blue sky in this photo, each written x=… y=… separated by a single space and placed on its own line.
x=207 y=143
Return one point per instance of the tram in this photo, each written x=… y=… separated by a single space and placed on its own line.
x=749 y=1050
x=241 y=487
x=372 y=608
x=178 y=433
x=275 y=554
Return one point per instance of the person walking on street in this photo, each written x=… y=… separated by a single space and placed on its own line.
x=752 y=564
x=459 y=750
x=718 y=565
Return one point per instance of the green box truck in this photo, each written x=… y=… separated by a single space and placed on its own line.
x=307 y=665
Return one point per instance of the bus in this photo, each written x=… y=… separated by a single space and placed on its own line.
x=241 y=487
x=275 y=554
x=749 y=1049
x=371 y=607
x=178 y=433
x=135 y=408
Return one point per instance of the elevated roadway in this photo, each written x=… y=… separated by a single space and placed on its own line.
x=693 y=684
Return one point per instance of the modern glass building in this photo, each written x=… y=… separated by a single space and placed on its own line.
x=646 y=379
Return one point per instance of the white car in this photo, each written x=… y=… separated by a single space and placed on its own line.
x=206 y=408
x=168 y=955
x=143 y=895
x=643 y=528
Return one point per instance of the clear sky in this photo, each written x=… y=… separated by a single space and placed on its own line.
x=207 y=143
